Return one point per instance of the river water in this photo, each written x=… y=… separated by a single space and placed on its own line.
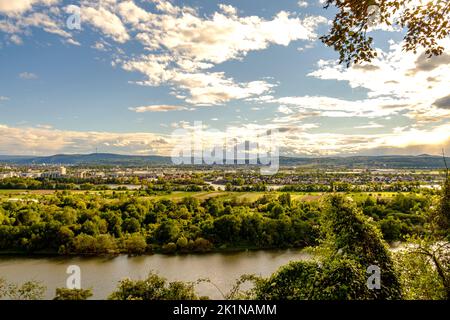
x=103 y=273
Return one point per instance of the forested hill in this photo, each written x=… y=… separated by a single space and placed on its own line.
x=393 y=162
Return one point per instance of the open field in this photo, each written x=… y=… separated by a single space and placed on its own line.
x=176 y=196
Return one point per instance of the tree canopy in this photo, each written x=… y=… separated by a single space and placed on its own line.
x=351 y=245
x=425 y=22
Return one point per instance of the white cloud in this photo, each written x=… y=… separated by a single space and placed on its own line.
x=16 y=39
x=333 y=107
x=106 y=21
x=28 y=76
x=370 y=125
x=285 y=110
x=99 y=46
x=12 y=7
x=411 y=141
x=8 y=27
x=306 y=47
x=293 y=139
x=303 y=4
x=181 y=46
x=73 y=42
x=44 y=21
x=227 y=9
x=22 y=17
x=45 y=126
x=214 y=88
x=3 y=98
x=156 y=108
x=45 y=141
x=406 y=79
x=189 y=44
x=223 y=37
x=204 y=88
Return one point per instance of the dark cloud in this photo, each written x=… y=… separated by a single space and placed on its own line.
x=159 y=141
x=443 y=103
x=284 y=129
x=424 y=63
x=391 y=82
x=394 y=106
x=432 y=149
x=366 y=67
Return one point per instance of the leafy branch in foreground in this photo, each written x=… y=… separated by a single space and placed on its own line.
x=351 y=245
x=426 y=23
x=424 y=265
x=30 y=290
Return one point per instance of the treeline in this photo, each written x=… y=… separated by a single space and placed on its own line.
x=195 y=184
x=186 y=185
x=338 y=186
x=89 y=224
x=351 y=246
x=68 y=223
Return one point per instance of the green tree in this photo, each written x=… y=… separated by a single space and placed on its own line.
x=426 y=22
x=131 y=225
x=182 y=243
x=350 y=235
x=418 y=276
x=285 y=199
x=277 y=211
x=72 y=294
x=391 y=228
x=153 y=287
x=202 y=245
x=227 y=228
x=167 y=231
x=352 y=244
x=135 y=244
x=441 y=217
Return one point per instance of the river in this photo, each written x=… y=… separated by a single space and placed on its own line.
x=102 y=273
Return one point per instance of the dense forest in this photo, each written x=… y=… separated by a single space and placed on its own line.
x=348 y=241
x=69 y=223
x=346 y=236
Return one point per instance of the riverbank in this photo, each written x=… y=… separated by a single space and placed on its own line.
x=160 y=251
x=102 y=274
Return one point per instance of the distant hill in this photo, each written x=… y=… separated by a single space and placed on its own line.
x=387 y=162
x=108 y=159
x=88 y=159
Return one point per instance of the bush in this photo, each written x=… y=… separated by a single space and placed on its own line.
x=72 y=294
x=202 y=245
x=169 y=247
x=135 y=244
x=182 y=243
x=153 y=288
x=391 y=229
x=86 y=244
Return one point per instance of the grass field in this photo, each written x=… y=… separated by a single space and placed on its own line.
x=6 y=195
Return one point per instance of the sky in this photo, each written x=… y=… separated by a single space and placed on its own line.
x=138 y=70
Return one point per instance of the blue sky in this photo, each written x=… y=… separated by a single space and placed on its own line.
x=137 y=70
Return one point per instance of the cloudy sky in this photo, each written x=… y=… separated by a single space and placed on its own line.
x=138 y=70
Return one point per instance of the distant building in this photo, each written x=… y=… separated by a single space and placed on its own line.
x=31 y=175
x=61 y=172
x=8 y=175
x=81 y=174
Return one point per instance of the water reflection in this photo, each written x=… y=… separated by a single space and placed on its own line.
x=103 y=273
